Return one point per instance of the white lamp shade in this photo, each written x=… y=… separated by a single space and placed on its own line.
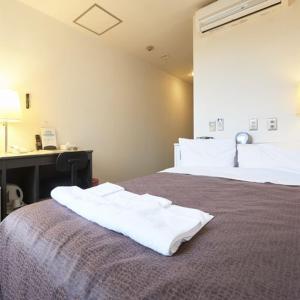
x=298 y=100
x=10 y=109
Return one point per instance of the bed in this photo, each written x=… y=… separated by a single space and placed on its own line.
x=250 y=250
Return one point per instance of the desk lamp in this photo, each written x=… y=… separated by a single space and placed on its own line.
x=10 y=110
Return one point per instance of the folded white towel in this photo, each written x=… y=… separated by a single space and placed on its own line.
x=106 y=189
x=161 y=201
x=149 y=220
x=111 y=190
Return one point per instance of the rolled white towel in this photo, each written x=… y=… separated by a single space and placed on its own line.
x=148 y=221
x=67 y=194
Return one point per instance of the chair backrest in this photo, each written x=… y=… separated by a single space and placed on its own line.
x=72 y=162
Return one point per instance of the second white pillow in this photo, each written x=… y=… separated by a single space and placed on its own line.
x=268 y=156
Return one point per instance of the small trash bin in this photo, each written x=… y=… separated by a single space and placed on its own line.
x=95 y=181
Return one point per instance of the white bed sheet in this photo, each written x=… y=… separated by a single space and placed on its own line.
x=275 y=176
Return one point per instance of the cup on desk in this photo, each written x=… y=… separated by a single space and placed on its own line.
x=68 y=146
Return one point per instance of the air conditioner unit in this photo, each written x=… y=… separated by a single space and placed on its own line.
x=223 y=12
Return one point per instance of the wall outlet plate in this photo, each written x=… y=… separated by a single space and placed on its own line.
x=212 y=126
x=253 y=124
x=220 y=124
x=272 y=124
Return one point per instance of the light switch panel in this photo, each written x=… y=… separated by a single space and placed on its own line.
x=253 y=124
x=272 y=124
x=220 y=124
x=212 y=126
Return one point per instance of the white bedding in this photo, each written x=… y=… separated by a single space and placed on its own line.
x=275 y=176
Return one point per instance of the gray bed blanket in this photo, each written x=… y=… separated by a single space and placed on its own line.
x=250 y=250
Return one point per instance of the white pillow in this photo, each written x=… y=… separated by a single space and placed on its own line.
x=207 y=153
x=270 y=156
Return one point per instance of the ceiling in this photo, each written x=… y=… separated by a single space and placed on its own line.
x=165 y=24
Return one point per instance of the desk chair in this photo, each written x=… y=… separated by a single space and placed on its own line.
x=72 y=162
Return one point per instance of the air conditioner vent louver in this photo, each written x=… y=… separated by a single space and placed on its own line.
x=226 y=11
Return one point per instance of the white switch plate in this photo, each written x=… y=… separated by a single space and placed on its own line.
x=220 y=124
x=212 y=126
x=253 y=124
x=272 y=124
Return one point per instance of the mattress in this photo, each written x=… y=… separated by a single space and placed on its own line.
x=250 y=250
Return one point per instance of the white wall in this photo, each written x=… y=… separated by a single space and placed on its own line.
x=97 y=97
x=249 y=70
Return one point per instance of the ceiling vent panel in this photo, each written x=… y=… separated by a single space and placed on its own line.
x=97 y=20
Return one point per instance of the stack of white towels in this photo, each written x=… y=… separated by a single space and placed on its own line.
x=151 y=221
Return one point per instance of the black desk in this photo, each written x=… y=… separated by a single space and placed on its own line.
x=28 y=171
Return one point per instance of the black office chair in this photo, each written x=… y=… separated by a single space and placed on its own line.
x=72 y=162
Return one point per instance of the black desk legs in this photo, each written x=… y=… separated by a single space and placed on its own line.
x=3 y=195
x=36 y=184
x=90 y=172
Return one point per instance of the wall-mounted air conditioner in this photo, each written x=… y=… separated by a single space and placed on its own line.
x=223 y=12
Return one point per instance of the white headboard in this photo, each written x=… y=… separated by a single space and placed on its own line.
x=177 y=155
